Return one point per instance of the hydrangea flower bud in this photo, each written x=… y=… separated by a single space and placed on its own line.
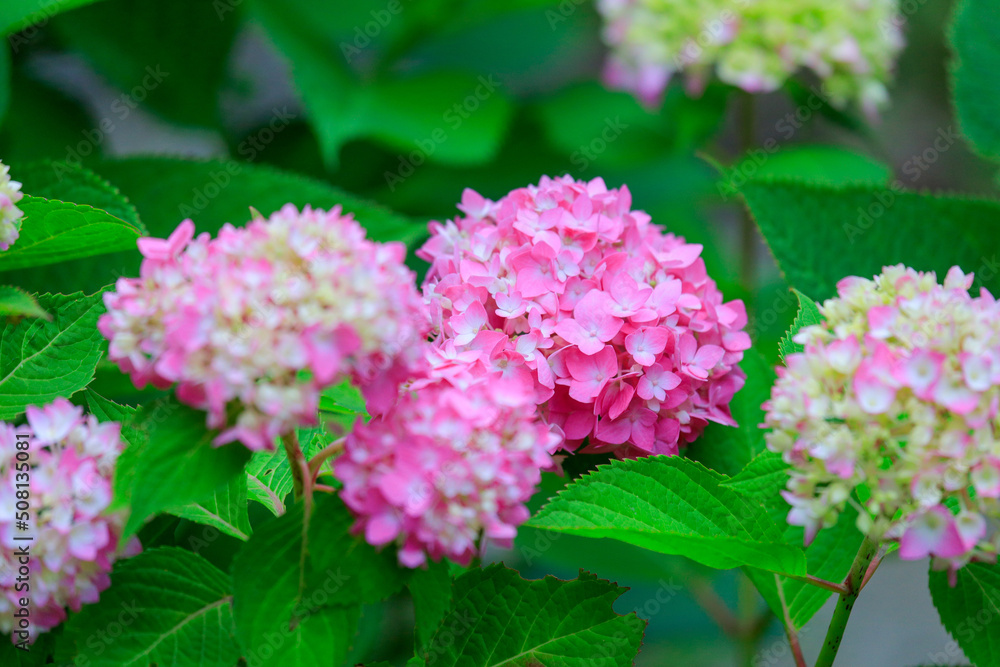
x=612 y=324
x=753 y=44
x=68 y=463
x=10 y=214
x=455 y=459
x=265 y=316
x=897 y=392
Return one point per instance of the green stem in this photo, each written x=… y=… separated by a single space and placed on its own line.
x=838 y=624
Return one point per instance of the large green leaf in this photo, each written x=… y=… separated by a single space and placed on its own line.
x=167 y=607
x=820 y=234
x=308 y=612
x=971 y=610
x=17 y=15
x=673 y=506
x=973 y=37
x=451 y=117
x=56 y=231
x=808 y=315
x=727 y=449
x=42 y=359
x=500 y=619
x=225 y=509
x=829 y=165
x=174 y=464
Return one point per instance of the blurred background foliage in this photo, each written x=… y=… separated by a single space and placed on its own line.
x=406 y=102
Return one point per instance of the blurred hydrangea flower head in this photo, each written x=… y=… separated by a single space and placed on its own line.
x=69 y=463
x=261 y=318
x=455 y=459
x=10 y=214
x=753 y=44
x=897 y=391
x=612 y=324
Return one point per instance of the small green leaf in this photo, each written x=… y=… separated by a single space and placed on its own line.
x=175 y=464
x=269 y=479
x=728 y=449
x=498 y=618
x=174 y=607
x=225 y=509
x=55 y=231
x=973 y=38
x=40 y=360
x=807 y=316
x=16 y=303
x=762 y=478
x=637 y=502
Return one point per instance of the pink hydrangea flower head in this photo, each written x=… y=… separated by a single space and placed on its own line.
x=612 y=325
x=10 y=214
x=455 y=459
x=898 y=390
x=850 y=45
x=68 y=462
x=263 y=317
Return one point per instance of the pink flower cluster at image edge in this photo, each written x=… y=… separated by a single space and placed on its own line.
x=899 y=389
x=70 y=464
x=613 y=325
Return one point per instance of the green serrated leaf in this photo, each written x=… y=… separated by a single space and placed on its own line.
x=55 y=231
x=970 y=611
x=857 y=230
x=174 y=606
x=40 y=360
x=807 y=316
x=225 y=509
x=728 y=449
x=637 y=502
x=269 y=479
x=498 y=618
x=16 y=303
x=309 y=610
x=65 y=182
x=174 y=464
x=17 y=15
x=973 y=38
